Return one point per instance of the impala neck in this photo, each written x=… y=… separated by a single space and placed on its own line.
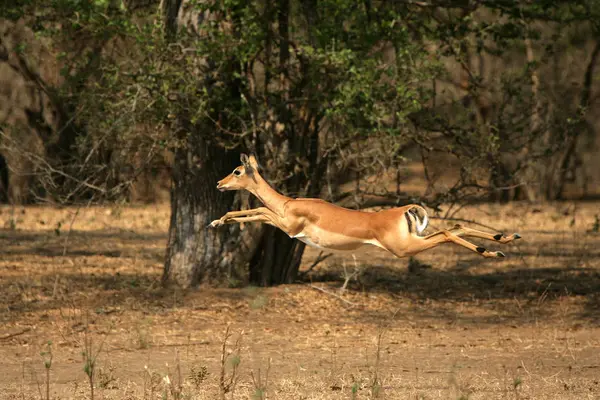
x=268 y=196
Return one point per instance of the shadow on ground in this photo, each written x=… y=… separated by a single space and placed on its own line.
x=532 y=286
x=26 y=288
x=106 y=243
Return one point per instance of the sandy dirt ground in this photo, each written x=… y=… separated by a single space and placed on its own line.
x=80 y=291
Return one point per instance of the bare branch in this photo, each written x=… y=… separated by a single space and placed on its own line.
x=11 y=335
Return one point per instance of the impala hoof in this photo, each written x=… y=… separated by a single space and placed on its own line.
x=215 y=224
x=500 y=254
x=517 y=236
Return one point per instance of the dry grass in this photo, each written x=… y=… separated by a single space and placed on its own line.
x=452 y=326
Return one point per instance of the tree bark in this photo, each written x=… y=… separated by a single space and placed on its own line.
x=3 y=180
x=584 y=102
x=197 y=254
x=277 y=257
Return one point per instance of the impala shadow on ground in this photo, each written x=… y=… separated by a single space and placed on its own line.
x=531 y=286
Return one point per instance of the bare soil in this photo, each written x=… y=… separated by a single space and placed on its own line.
x=446 y=325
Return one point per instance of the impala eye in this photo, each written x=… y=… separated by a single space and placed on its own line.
x=237 y=172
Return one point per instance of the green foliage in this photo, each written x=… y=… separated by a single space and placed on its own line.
x=340 y=71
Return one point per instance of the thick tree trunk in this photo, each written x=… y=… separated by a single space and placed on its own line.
x=261 y=254
x=276 y=259
x=196 y=254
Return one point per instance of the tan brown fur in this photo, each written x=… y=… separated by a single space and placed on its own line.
x=325 y=225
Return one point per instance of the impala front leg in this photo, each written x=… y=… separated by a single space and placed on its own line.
x=253 y=218
x=237 y=216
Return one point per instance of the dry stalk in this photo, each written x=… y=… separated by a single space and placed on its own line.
x=48 y=356
x=227 y=384
x=90 y=357
x=376 y=382
x=348 y=277
x=260 y=386
x=23 y=381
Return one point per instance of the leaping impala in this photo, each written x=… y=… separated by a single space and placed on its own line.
x=327 y=226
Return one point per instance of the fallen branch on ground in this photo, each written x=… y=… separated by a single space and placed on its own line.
x=10 y=335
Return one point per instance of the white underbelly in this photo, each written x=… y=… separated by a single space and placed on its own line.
x=321 y=239
x=309 y=242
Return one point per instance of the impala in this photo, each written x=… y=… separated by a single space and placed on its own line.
x=327 y=226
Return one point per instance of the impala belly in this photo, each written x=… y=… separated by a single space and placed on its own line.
x=307 y=240
x=322 y=239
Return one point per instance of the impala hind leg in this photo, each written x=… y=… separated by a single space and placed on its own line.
x=460 y=230
x=446 y=236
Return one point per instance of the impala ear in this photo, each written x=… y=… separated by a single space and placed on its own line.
x=253 y=161
x=247 y=163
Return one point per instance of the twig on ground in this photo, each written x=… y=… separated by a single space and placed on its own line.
x=10 y=335
x=333 y=294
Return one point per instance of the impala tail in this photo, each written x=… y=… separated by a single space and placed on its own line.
x=417 y=220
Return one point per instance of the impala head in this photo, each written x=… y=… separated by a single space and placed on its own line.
x=241 y=177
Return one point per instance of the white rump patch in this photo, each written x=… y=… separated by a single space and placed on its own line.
x=420 y=219
x=421 y=225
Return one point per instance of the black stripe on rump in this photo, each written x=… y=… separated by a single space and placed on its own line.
x=409 y=222
x=419 y=219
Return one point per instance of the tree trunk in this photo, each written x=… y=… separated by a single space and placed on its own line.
x=197 y=254
x=276 y=259
x=3 y=180
x=263 y=254
x=581 y=127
